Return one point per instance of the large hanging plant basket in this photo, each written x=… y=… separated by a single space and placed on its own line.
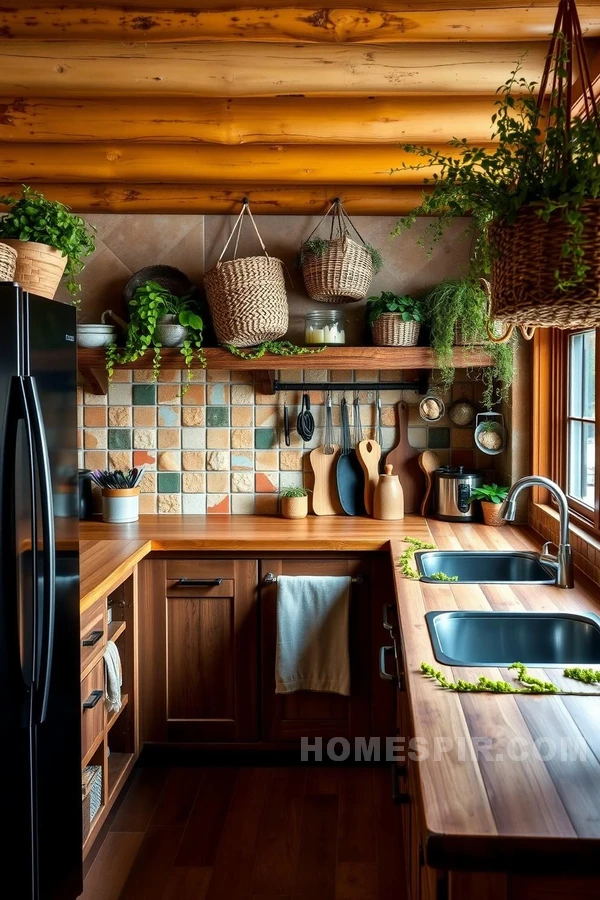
x=338 y=269
x=247 y=296
x=546 y=264
x=533 y=195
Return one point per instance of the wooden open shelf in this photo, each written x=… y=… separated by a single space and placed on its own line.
x=113 y=716
x=119 y=766
x=92 y=363
x=115 y=630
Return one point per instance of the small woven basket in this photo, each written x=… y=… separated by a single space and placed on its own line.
x=390 y=330
x=342 y=273
x=247 y=296
x=527 y=252
x=8 y=262
x=39 y=267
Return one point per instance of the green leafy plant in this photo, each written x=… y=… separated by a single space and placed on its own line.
x=410 y=309
x=556 y=174
x=293 y=492
x=489 y=493
x=278 y=348
x=31 y=217
x=587 y=676
x=461 y=304
x=441 y=576
x=149 y=304
x=318 y=247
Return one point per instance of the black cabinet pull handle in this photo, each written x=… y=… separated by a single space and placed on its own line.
x=387 y=608
x=199 y=582
x=383 y=673
x=92 y=638
x=93 y=699
x=398 y=796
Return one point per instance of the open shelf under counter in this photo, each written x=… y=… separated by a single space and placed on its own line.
x=92 y=363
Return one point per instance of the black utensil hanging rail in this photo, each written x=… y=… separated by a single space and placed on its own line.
x=422 y=385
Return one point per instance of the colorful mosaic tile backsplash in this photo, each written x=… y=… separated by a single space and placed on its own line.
x=219 y=447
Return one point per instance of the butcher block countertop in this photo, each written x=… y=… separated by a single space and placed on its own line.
x=490 y=810
x=107 y=552
x=480 y=811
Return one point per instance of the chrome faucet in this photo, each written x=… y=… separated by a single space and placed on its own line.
x=562 y=563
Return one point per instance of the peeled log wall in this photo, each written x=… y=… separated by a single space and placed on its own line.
x=141 y=107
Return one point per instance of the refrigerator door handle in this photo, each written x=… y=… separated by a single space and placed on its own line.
x=47 y=601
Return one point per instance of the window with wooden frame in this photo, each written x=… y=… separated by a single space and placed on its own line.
x=566 y=415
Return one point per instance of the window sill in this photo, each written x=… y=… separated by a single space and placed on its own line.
x=578 y=536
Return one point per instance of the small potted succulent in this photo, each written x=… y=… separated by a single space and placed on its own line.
x=395 y=320
x=294 y=503
x=120 y=494
x=491 y=496
x=49 y=239
x=158 y=318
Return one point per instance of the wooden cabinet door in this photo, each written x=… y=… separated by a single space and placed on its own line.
x=200 y=661
x=384 y=633
x=288 y=717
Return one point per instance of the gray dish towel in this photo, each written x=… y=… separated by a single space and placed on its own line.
x=312 y=634
x=113 y=677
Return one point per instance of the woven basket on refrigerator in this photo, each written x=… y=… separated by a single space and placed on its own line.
x=342 y=272
x=39 y=267
x=390 y=330
x=247 y=296
x=8 y=262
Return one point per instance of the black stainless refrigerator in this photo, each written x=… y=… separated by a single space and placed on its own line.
x=40 y=705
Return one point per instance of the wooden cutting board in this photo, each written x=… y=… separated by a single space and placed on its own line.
x=369 y=454
x=405 y=462
x=325 y=495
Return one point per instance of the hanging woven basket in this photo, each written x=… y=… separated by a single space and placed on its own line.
x=342 y=269
x=528 y=253
x=247 y=296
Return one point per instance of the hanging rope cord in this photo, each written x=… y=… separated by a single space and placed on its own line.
x=340 y=217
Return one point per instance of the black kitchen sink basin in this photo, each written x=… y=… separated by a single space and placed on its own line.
x=468 y=638
x=475 y=567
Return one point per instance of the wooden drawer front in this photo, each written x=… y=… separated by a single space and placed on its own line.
x=92 y=720
x=93 y=631
x=185 y=578
x=200 y=658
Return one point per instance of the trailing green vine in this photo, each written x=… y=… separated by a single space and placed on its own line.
x=487 y=685
x=587 y=676
x=441 y=576
x=279 y=348
x=406 y=558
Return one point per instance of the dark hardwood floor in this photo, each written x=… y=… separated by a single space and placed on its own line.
x=281 y=833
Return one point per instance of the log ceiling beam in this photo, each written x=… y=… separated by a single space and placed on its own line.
x=254 y=69
x=334 y=25
x=223 y=199
x=281 y=120
x=454 y=6
x=172 y=163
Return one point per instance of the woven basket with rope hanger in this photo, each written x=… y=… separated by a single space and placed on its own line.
x=528 y=251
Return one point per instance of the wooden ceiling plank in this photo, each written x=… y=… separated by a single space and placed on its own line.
x=30 y=68
x=276 y=5
x=284 y=120
x=174 y=163
x=224 y=199
x=327 y=25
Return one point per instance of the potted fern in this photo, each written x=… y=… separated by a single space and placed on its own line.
x=49 y=239
x=158 y=318
x=538 y=186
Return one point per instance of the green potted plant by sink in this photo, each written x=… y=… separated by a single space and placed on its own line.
x=491 y=497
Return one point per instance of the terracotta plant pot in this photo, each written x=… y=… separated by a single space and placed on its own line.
x=491 y=513
x=294 y=507
x=39 y=267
